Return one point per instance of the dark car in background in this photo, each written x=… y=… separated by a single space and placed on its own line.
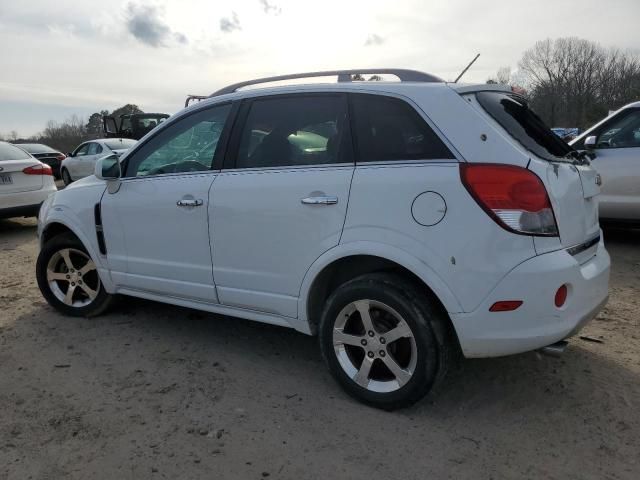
x=45 y=154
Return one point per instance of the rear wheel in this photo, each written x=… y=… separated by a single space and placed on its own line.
x=383 y=340
x=66 y=178
x=68 y=278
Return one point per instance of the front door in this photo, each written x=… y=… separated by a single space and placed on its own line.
x=282 y=202
x=618 y=162
x=156 y=224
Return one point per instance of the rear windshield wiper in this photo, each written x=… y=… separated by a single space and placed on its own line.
x=579 y=157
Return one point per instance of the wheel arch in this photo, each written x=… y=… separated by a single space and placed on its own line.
x=351 y=260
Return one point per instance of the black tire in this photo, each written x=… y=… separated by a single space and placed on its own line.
x=66 y=178
x=52 y=249
x=433 y=344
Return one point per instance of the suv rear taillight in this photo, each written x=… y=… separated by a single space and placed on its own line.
x=513 y=196
x=61 y=156
x=41 y=169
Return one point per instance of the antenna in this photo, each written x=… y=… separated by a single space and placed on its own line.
x=466 y=68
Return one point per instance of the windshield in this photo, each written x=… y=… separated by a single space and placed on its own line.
x=9 y=152
x=119 y=143
x=514 y=115
x=36 y=148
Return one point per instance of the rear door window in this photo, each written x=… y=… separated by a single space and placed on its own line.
x=514 y=115
x=389 y=129
x=295 y=130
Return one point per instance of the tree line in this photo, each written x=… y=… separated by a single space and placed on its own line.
x=66 y=135
x=571 y=82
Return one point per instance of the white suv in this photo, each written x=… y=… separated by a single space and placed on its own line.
x=401 y=222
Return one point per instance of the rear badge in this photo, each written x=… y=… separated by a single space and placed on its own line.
x=598 y=180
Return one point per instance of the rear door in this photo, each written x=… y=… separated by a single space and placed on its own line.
x=13 y=161
x=572 y=186
x=282 y=201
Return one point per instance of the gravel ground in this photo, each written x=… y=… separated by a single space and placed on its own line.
x=155 y=391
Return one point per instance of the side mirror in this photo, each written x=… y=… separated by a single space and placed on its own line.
x=590 y=142
x=70 y=154
x=108 y=168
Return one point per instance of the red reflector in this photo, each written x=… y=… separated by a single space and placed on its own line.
x=505 y=306
x=561 y=296
x=41 y=169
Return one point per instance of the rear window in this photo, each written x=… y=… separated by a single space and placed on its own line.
x=36 y=148
x=120 y=143
x=9 y=152
x=514 y=115
x=389 y=129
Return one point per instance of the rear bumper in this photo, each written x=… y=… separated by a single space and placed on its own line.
x=537 y=322
x=23 y=211
x=25 y=204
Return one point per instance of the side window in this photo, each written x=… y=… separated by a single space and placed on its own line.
x=295 y=130
x=390 y=129
x=622 y=132
x=82 y=150
x=94 y=149
x=189 y=145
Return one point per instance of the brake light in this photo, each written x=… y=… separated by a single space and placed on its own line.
x=61 y=156
x=513 y=196
x=41 y=169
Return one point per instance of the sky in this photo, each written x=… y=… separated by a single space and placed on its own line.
x=65 y=57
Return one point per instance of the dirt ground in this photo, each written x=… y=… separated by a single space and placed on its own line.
x=155 y=391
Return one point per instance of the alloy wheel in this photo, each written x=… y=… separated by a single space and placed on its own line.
x=374 y=346
x=72 y=277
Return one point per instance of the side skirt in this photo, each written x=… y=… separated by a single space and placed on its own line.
x=261 y=317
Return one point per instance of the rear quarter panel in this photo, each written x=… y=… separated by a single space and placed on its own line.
x=468 y=251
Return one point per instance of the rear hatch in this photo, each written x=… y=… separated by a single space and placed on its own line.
x=568 y=177
x=13 y=162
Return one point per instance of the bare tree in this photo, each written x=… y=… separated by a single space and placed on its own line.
x=573 y=82
x=13 y=135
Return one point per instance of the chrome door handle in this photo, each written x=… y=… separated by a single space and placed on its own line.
x=321 y=200
x=189 y=203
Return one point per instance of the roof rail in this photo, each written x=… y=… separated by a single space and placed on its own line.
x=193 y=98
x=343 y=76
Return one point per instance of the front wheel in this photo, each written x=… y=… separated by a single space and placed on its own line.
x=68 y=278
x=384 y=340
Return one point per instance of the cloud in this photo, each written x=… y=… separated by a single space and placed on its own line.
x=373 y=40
x=228 y=25
x=270 y=7
x=144 y=22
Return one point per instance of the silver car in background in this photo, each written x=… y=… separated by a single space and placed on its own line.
x=615 y=141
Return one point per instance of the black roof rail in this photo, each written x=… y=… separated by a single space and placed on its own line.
x=193 y=98
x=343 y=76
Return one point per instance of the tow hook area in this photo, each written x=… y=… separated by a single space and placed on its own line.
x=555 y=349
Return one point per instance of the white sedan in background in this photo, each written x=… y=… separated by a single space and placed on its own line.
x=25 y=182
x=81 y=162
